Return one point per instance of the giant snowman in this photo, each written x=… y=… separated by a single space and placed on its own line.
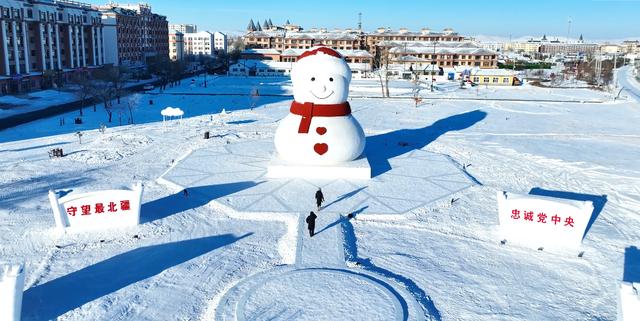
x=320 y=129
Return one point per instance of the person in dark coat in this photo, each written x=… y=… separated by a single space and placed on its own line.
x=319 y=198
x=311 y=223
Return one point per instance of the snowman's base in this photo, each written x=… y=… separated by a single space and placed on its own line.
x=357 y=169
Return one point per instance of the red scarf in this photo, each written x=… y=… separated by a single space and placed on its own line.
x=309 y=110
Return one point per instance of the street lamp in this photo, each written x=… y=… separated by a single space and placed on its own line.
x=433 y=64
x=205 y=78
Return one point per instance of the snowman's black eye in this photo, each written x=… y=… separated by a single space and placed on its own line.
x=331 y=79
x=313 y=78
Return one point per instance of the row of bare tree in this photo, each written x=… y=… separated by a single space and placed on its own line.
x=107 y=85
x=104 y=85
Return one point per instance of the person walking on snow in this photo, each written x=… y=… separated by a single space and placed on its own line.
x=311 y=223
x=319 y=198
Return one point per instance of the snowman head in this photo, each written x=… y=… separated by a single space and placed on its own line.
x=321 y=76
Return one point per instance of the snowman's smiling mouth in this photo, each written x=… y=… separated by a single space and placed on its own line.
x=325 y=97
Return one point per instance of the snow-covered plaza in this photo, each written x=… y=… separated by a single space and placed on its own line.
x=422 y=242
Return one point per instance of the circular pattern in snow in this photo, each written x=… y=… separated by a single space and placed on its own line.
x=110 y=147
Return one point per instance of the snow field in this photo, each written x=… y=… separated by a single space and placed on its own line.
x=188 y=252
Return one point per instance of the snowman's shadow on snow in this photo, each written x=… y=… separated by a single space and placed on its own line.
x=381 y=148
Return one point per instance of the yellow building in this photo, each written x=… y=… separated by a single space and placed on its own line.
x=526 y=47
x=495 y=77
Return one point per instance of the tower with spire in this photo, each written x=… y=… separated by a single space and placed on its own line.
x=251 y=27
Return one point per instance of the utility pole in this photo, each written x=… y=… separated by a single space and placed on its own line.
x=599 y=67
x=433 y=64
x=615 y=60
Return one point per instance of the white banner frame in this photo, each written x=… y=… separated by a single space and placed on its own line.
x=11 y=289
x=542 y=221
x=94 y=210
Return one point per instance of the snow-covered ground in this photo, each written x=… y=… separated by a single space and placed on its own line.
x=11 y=105
x=187 y=253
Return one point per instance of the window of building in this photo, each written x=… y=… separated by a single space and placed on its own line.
x=505 y=80
x=485 y=79
x=495 y=80
x=476 y=79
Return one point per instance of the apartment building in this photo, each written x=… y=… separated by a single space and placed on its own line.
x=176 y=45
x=46 y=39
x=220 y=41
x=199 y=43
x=133 y=34
x=184 y=28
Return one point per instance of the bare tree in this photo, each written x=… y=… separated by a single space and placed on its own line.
x=102 y=89
x=382 y=62
x=132 y=102
x=116 y=77
x=84 y=88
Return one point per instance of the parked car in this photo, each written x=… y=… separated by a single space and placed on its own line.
x=148 y=87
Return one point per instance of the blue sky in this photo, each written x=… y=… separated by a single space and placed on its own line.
x=595 y=19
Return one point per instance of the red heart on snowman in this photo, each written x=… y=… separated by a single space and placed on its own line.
x=321 y=148
x=321 y=130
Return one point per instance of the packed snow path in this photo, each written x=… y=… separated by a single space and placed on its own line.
x=626 y=79
x=325 y=247
x=319 y=286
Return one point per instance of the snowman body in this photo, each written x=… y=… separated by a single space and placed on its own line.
x=320 y=129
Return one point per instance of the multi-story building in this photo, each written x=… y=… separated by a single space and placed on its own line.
x=291 y=55
x=133 y=33
x=199 y=43
x=220 y=41
x=453 y=50
x=569 y=48
x=422 y=54
x=403 y=34
x=609 y=48
x=282 y=40
x=529 y=47
x=350 y=56
x=41 y=38
x=631 y=46
x=184 y=28
x=176 y=45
